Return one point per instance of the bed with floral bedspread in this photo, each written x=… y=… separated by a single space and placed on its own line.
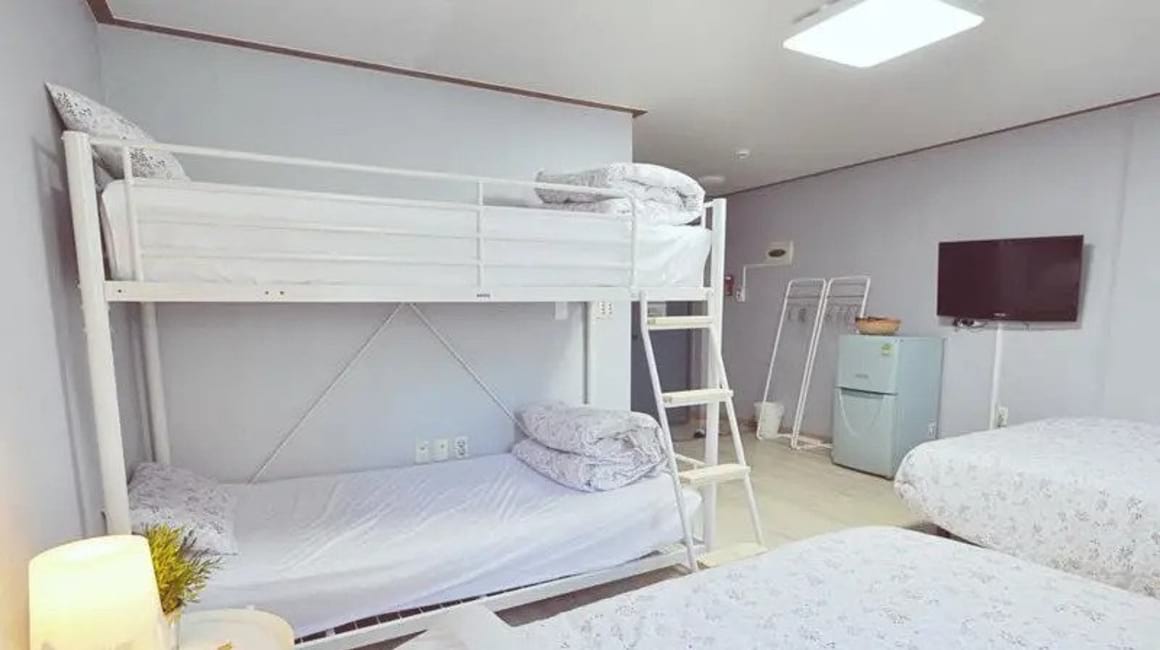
x=1077 y=494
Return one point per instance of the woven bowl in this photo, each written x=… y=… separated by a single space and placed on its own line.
x=877 y=326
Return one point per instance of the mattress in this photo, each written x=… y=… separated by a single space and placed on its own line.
x=324 y=551
x=203 y=232
x=1081 y=495
x=864 y=588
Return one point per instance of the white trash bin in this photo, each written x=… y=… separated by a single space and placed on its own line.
x=769 y=415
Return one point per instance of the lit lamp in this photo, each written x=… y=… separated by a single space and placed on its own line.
x=95 y=594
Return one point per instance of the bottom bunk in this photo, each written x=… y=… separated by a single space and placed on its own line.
x=330 y=550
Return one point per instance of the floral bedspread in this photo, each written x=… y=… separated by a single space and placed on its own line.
x=1081 y=495
x=865 y=588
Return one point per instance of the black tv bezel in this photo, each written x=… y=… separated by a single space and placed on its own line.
x=1070 y=315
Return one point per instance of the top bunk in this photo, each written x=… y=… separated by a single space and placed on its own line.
x=480 y=240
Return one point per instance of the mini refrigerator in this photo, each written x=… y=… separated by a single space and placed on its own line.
x=886 y=400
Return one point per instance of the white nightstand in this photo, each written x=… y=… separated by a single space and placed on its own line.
x=245 y=629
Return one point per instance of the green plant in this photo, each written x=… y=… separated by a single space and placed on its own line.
x=181 y=570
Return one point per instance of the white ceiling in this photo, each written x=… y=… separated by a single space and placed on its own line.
x=712 y=74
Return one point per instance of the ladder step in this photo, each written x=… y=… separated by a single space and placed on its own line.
x=731 y=553
x=714 y=474
x=657 y=323
x=696 y=397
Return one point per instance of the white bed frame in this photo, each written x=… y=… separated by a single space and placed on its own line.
x=98 y=292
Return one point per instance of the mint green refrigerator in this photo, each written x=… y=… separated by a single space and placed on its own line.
x=886 y=399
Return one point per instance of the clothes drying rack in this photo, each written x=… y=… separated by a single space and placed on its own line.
x=819 y=295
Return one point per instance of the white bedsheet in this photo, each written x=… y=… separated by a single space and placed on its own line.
x=1081 y=495
x=329 y=550
x=185 y=241
x=867 y=588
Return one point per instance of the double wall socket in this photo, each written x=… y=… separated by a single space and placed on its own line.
x=441 y=449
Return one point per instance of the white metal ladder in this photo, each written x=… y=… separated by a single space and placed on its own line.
x=700 y=473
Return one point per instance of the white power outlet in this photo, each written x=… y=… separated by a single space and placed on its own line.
x=422 y=452
x=1002 y=416
x=440 y=450
x=603 y=309
x=460 y=448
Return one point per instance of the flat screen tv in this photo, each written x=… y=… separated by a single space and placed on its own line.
x=1033 y=279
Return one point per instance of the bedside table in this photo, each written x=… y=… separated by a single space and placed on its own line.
x=245 y=629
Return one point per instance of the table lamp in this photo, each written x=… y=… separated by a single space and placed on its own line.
x=95 y=594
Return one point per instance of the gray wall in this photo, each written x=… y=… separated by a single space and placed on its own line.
x=47 y=470
x=238 y=376
x=1093 y=174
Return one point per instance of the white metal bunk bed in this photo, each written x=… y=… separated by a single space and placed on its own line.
x=152 y=261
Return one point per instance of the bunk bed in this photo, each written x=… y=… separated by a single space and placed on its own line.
x=170 y=241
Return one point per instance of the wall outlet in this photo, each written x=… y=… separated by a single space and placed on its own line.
x=1002 y=416
x=459 y=448
x=603 y=309
x=440 y=450
x=932 y=430
x=422 y=452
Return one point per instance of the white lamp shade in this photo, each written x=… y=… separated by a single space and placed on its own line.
x=95 y=594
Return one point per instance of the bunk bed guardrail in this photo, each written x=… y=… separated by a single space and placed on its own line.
x=98 y=291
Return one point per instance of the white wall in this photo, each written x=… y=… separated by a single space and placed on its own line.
x=238 y=376
x=46 y=465
x=1093 y=174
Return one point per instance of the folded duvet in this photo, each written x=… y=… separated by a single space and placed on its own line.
x=648 y=212
x=600 y=434
x=672 y=196
x=580 y=472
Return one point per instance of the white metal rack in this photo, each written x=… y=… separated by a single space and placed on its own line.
x=98 y=291
x=816 y=295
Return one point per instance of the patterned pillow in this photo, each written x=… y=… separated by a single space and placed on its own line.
x=161 y=494
x=81 y=113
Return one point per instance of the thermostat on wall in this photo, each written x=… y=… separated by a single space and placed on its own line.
x=780 y=253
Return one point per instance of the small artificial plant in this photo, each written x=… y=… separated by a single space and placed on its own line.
x=181 y=570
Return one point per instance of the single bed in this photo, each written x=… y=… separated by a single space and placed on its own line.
x=862 y=588
x=208 y=232
x=329 y=550
x=1081 y=495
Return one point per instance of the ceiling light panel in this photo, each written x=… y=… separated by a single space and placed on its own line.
x=867 y=32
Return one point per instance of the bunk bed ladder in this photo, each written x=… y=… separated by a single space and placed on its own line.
x=701 y=475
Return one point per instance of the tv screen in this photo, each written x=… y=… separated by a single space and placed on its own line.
x=1033 y=279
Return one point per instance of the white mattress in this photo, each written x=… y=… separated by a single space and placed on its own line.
x=1082 y=495
x=329 y=550
x=865 y=588
x=276 y=238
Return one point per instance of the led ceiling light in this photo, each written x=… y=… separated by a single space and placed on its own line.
x=864 y=33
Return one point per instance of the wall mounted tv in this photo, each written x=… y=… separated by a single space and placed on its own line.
x=1033 y=279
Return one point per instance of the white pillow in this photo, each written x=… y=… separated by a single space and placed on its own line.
x=82 y=113
x=468 y=627
x=175 y=497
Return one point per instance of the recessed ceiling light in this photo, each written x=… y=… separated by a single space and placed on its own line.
x=742 y=154
x=712 y=179
x=864 y=33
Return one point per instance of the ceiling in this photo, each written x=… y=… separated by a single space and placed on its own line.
x=712 y=75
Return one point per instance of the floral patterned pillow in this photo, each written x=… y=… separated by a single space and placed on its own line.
x=82 y=113
x=175 y=497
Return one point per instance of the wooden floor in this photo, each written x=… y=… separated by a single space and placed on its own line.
x=800 y=494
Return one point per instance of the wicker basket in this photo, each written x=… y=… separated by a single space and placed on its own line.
x=878 y=326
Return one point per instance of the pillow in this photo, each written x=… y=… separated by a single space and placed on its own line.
x=81 y=113
x=468 y=627
x=161 y=494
